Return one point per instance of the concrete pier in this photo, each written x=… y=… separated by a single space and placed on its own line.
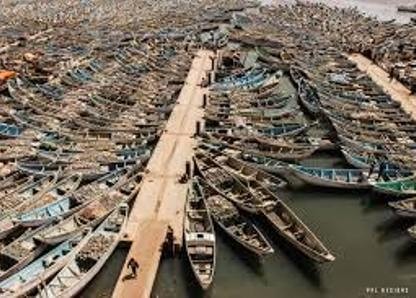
x=161 y=200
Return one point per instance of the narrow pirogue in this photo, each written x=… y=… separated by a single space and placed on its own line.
x=20 y=253
x=228 y=185
x=287 y=224
x=291 y=228
x=231 y=221
x=32 y=276
x=400 y=188
x=89 y=257
x=103 y=202
x=405 y=208
x=199 y=235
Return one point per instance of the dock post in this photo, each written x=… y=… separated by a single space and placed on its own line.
x=204 y=101
x=188 y=169
x=198 y=128
x=212 y=63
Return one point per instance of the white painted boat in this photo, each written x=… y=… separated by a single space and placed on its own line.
x=199 y=236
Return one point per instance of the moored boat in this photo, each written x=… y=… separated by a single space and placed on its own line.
x=291 y=228
x=89 y=258
x=399 y=188
x=20 y=253
x=333 y=178
x=199 y=236
x=33 y=275
x=404 y=208
x=227 y=184
x=234 y=224
x=102 y=203
x=51 y=202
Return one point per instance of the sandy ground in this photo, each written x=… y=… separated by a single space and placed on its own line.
x=382 y=9
x=161 y=200
x=396 y=90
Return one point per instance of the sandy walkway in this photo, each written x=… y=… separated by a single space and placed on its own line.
x=394 y=88
x=161 y=200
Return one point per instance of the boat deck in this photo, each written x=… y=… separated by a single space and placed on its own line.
x=161 y=199
x=394 y=88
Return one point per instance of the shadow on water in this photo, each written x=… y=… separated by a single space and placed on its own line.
x=192 y=287
x=309 y=192
x=104 y=283
x=249 y=259
x=393 y=228
x=406 y=254
x=306 y=266
x=372 y=204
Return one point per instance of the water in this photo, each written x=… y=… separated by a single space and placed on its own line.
x=371 y=247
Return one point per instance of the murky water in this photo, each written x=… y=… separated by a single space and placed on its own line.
x=370 y=243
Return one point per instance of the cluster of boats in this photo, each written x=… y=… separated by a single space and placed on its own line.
x=84 y=96
x=389 y=44
x=84 y=103
x=294 y=97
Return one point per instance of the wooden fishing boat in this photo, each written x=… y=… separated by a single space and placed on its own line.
x=20 y=253
x=291 y=228
x=244 y=171
x=10 y=130
x=21 y=214
x=399 y=188
x=267 y=164
x=307 y=95
x=265 y=146
x=103 y=201
x=90 y=171
x=26 y=193
x=89 y=257
x=228 y=185
x=334 y=178
x=280 y=130
x=404 y=208
x=57 y=203
x=40 y=270
x=360 y=160
x=199 y=236
x=234 y=224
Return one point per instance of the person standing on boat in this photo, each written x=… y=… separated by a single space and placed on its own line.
x=372 y=168
x=382 y=169
x=133 y=265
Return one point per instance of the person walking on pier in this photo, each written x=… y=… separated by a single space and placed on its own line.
x=133 y=265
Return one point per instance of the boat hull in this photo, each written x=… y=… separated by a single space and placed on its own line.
x=316 y=181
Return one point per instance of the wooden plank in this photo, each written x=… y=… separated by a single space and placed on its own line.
x=147 y=252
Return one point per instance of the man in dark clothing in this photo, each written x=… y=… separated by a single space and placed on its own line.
x=372 y=168
x=381 y=169
x=133 y=265
x=391 y=74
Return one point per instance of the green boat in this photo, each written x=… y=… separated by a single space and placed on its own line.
x=398 y=188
